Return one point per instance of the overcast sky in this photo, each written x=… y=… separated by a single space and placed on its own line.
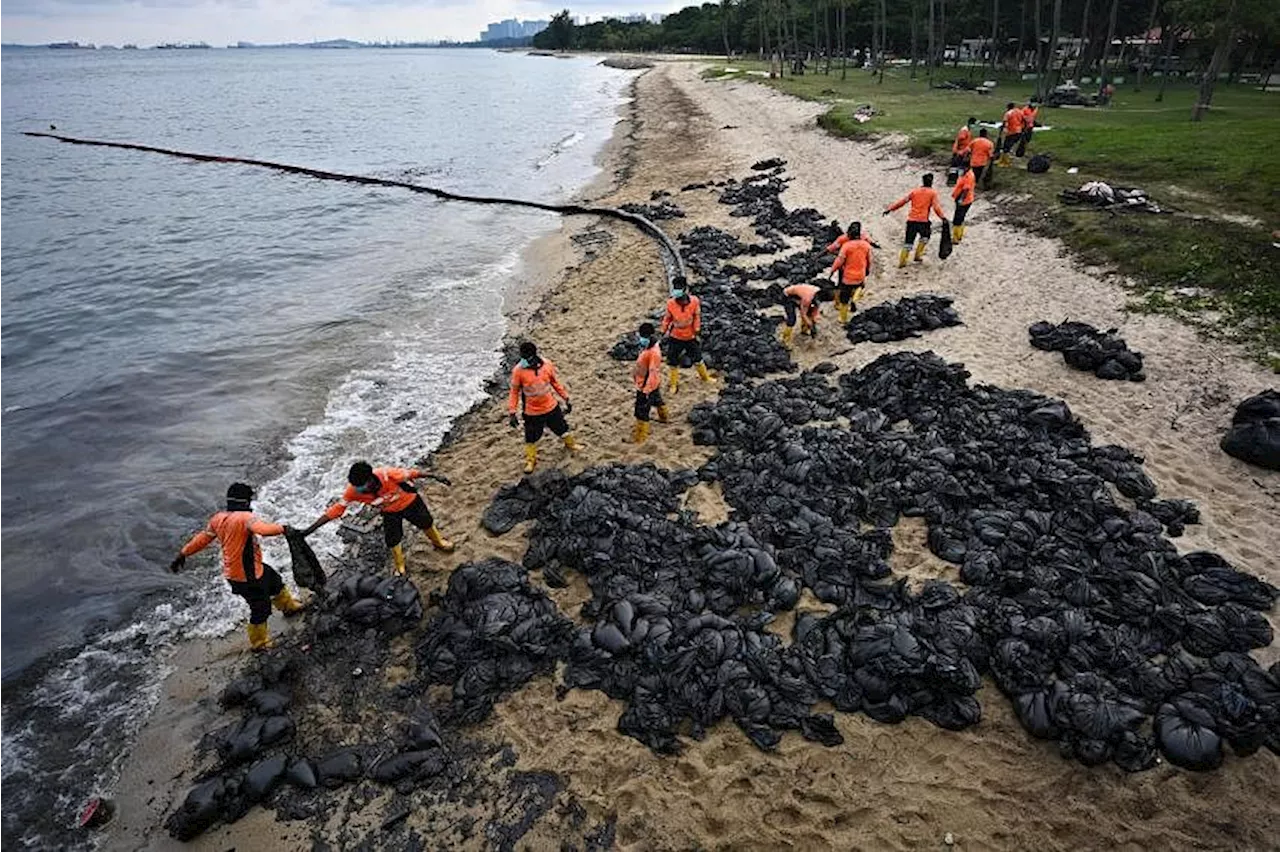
x=221 y=22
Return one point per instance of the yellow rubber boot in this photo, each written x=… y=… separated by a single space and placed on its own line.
x=259 y=636
x=674 y=384
x=397 y=558
x=640 y=432
x=902 y=256
x=439 y=542
x=920 y=248
x=843 y=309
x=957 y=233
x=286 y=603
x=571 y=443
x=662 y=414
x=702 y=372
x=786 y=336
x=530 y=457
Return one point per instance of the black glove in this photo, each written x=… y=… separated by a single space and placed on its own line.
x=568 y=407
x=288 y=531
x=885 y=213
x=176 y=565
x=513 y=421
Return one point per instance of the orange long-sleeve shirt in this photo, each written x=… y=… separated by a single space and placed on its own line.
x=236 y=534
x=980 y=151
x=963 y=139
x=648 y=370
x=1029 y=117
x=963 y=192
x=683 y=322
x=389 y=497
x=834 y=248
x=922 y=198
x=854 y=261
x=1013 y=121
x=536 y=387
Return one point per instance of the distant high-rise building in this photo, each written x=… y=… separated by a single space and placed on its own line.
x=512 y=28
x=657 y=17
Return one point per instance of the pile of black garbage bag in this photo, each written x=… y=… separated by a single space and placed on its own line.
x=654 y=212
x=1254 y=435
x=907 y=317
x=1105 y=354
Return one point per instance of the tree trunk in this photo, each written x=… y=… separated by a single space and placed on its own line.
x=1106 y=46
x=1226 y=37
x=826 y=35
x=1171 y=38
x=1151 y=24
x=724 y=29
x=884 y=38
x=844 y=42
x=1022 y=27
x=1054 y=30
x=995 y=30
x=931 y=53
x=780 y=33
x=915 y=36
x=1039 y=51
x=1084 y=35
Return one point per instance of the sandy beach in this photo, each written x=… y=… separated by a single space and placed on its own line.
x=902 y=786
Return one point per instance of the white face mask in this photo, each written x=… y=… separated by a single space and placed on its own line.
x=524 y=362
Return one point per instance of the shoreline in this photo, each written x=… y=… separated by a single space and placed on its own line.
x=901 y=786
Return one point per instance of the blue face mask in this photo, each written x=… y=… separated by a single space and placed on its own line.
x=644 y=343
x=677 y=294
x=524 y=362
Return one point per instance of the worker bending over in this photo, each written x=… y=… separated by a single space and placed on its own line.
x=800 y=300
x=647 y=374
x=682 y=323
x=534 y=387
x=963 y=194
x=389 y=490
x=236 y=530
x=923 y=199
x=1012 y=131
x=854 y=264
x=981 y=150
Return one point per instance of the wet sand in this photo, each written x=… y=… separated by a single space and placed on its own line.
x=887 y=787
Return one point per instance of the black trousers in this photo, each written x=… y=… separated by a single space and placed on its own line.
x=678 y=350
x=536 y=424
x=923 y=230
x=846 y=292
x=415 y=513
x=258 y=593
x=645 y=402
x=962 y=210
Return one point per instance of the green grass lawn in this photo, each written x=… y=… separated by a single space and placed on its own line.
x=1210 y=261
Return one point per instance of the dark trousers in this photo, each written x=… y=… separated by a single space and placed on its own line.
x=646 y=402
x=415 y=513
x=536 y=424
x=258 y=593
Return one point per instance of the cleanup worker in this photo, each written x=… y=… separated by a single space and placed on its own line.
x=236 y=531
x=1028 y=126
x=960 y=147
x=1012 y=131
x=963 y=195
x=681 y=324
x=923 y=199
x=801 y=300
x=981 y=150
x=389 y=490
x=834 y=248
x=647 y=374
x=534 y=386
x=854 y=264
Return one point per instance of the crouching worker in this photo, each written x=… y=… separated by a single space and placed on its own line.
x=854 y=264
x=236 y=531
x=534 y=386
x=923 y=199
x=648 y=378
x=389 y=490
x=963 y=195
x=800 y=300
x=682 y=323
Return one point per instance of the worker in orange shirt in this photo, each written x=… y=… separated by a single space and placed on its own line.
x=236 y=530
x=963 y=194
x=854 y=264
x=1028 y=126
x=647 y=374
x=835 y=246
x=923 y=199
x=800 y=300
x=1012 y=131
x=535 y=384
x=681 y=324
x=981 y=150
x=389 y=490
x=960 y=147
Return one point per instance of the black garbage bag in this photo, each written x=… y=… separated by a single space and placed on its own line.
x=306 y=568
x=903 y=319
x=202 y=808
x=945 y=245
x=1254 y=436
x=1184 y=730
x=1083 y=347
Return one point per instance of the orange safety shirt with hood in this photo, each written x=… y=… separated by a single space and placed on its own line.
x=235 y=533
x=648 y=370
x=964 y=138
x=922 y=198
x=963 y=192
x=536 y=387
x=683 y=322
x=854 y=261
x=390 y=497
x=1013 y=122
x=980 y=151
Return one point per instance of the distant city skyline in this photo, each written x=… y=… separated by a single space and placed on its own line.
x=226 y=22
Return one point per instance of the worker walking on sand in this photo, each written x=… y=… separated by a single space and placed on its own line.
x=1012 y=131
x=960 y=150
x=389 y=490
x=854 y=264
x=647 y=374
x=236 y=530
x=923 y=199
x=534 y=387
x=963 y=194
x=981 y=150
x=681 y=324
x=800 y=300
